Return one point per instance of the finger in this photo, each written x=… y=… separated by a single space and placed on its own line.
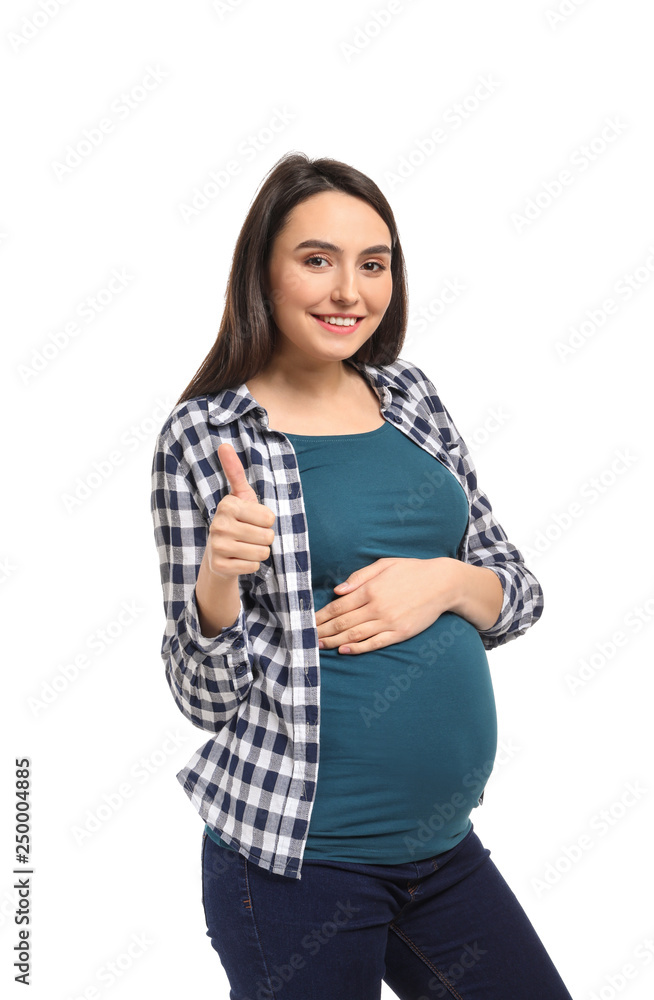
x=231 y=463
x=378 y=641
x=360 y=633
x=341 y=606
x=362 y=575
x=236 y=550
x=350 y=626
x=240 y=539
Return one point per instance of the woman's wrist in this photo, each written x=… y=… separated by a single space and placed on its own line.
x=218 y=601
x=476 y=593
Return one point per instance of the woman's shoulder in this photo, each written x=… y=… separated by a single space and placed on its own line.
x=406 y=375
x=187 y=423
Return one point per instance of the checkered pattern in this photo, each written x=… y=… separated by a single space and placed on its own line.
x=255 y=686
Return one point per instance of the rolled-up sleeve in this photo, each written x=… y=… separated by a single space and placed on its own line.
x=208 y=676
x=488 y=543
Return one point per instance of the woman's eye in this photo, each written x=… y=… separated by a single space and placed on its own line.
x=323 y=260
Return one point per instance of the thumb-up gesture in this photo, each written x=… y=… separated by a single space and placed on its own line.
x=241 y=531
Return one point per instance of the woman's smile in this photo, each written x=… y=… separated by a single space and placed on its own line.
x=340 y=326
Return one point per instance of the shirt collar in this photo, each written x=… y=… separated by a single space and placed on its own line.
x=230 y=404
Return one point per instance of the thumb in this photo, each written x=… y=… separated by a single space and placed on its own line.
x=231 y=463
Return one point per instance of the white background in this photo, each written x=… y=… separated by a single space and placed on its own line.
x=369 y=95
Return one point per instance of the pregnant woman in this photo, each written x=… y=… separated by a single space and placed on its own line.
x=333 y=577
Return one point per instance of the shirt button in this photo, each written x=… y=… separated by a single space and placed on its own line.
x=395 y=417
x=240 y=670
x=238 y=644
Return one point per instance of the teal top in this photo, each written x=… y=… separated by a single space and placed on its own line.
x=408 y=732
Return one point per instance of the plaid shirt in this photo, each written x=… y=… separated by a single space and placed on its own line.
x=256 y=685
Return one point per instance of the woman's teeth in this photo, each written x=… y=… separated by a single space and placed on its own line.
x=339 y=320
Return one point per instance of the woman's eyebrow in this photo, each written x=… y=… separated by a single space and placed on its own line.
x=322 y=245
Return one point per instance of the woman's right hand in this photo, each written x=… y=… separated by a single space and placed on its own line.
x=241 y=532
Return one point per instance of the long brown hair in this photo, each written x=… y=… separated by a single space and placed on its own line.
x=246 y=338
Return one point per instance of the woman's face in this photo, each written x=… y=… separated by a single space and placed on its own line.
x=331 y=259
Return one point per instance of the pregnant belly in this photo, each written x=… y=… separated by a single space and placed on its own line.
x=446 y=721
x=405 y=730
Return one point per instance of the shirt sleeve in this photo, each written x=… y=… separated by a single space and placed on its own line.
x=208 y=676
x=488 y=544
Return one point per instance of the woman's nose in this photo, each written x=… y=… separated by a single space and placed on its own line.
x=345 y=286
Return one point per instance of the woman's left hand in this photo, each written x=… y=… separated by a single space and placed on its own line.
x=386 y=602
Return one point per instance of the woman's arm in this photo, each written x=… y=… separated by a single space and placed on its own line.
x=218 y=601
x=478 y=594
x=488 y=545
x=208 y=675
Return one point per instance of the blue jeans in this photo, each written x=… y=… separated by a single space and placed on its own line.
x=446 y=926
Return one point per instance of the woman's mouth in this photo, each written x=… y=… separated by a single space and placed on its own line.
x=339 y=324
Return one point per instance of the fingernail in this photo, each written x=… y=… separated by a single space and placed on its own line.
x=345 y=649
x=321 y=644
